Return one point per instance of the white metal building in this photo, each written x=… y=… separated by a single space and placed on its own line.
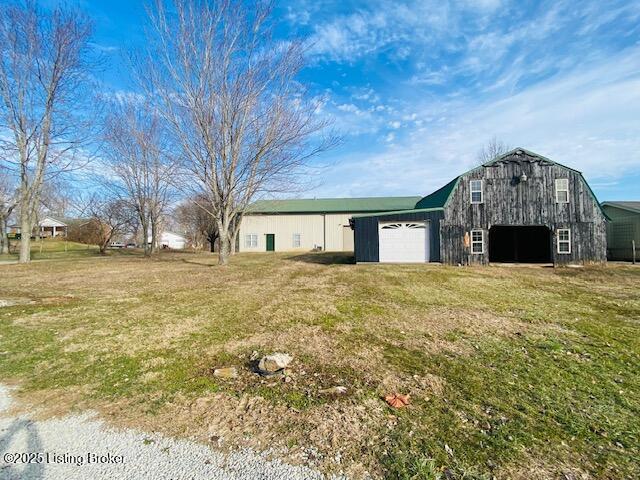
x=308 y=224
x=171 y=240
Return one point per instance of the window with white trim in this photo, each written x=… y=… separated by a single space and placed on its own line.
x=475 y=187
x=477 y=241
x=564 y=240
x=562 y=190
x=251 y=240
x=297 y=242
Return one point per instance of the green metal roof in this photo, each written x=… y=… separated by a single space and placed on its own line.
x=631 y=206
x=397 y=212
x=438 y=199
x=373 y=206
x=333 y=205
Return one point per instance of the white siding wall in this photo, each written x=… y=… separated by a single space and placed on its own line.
x=335 y=224
x=311 y=228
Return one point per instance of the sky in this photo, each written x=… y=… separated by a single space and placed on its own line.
x=416 y=88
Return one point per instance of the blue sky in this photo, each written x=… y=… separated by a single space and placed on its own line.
x=416 y=88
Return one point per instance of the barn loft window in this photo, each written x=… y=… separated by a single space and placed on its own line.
x=564 y=240
x=475 y=186
x=477 y=241
x=562 y=190
x=296 y=240
x=251 y=240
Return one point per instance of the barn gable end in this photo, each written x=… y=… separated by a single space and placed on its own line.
x=519 y=190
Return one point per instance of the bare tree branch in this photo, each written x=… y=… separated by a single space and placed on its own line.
x=494 y=148
x=228 y=92
x=43 y=80
x=141 y=166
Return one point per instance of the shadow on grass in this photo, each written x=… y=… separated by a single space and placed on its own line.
x=193 y=261
x=325 y=258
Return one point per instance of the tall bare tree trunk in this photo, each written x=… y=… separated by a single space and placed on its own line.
x=144 y=224
x=25 y=237
x=154 y=234
x=225 y=247
x=7 y=204
x=234 y=234
x=212 y=237
x=4 y=238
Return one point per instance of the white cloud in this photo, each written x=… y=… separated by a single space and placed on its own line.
x=349 y=107
x=587 y=119
x=386 y=24
x=298 y=16
x=489 y=5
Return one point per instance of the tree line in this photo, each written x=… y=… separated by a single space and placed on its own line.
x=217 y=116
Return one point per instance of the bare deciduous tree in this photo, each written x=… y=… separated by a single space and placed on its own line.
x=43 y=79
x=142 y=169
x=57 y=197
x=492 y=149
x=110 y=218
x=199 y=225
x=8 y=201
x=228 y=91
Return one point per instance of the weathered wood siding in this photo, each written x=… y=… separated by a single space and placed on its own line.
x=366 y=233
x=507 y=201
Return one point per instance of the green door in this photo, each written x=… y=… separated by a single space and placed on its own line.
x=271 y=242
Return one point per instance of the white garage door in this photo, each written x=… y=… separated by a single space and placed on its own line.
x=404 y=242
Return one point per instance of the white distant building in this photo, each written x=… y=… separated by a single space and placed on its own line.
x=171 y=240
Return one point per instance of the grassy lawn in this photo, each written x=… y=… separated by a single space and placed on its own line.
x=513 y=372
x=51 y=249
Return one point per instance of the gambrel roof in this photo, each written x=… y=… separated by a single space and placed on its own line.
x=440 y=197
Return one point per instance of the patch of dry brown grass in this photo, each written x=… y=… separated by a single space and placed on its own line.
x=167 y=322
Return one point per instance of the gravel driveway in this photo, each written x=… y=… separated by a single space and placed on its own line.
x=83 y=447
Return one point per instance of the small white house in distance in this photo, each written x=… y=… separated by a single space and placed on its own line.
x=171 y=240
x=47 y=227
x=309 y=224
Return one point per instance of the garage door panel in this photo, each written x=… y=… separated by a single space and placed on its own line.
x=403 y=242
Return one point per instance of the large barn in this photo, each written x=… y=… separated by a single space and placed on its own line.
x=519 y=207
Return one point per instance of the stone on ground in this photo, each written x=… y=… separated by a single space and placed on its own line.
x=274 y=363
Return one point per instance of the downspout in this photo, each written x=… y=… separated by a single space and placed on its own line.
x=324 y=232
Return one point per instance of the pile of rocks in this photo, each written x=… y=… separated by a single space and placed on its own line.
x=273 y=364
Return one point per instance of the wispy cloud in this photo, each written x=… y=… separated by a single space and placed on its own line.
x=587 y=119
x=396 y=26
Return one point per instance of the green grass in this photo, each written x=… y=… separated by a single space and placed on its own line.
x=49 y=249
x=520 y=372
